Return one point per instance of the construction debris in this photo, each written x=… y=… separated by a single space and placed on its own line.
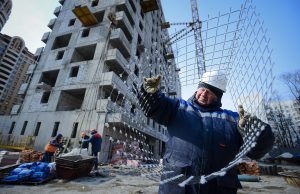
x=126 y=154
x=27 y=156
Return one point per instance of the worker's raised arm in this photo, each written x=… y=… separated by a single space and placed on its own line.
x=154 y=103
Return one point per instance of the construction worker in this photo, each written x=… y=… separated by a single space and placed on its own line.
x=84 y=141
x=96 y=141
x=51 y=148
x=203 y=138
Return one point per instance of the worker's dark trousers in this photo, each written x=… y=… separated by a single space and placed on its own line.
x=47 y=156
x=96 y=160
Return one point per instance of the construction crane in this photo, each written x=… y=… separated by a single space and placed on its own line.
x=198 y=38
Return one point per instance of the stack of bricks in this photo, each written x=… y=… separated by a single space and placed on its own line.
x=251 y=168
x=27 y=156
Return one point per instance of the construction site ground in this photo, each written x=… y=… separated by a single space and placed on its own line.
x=128 y=181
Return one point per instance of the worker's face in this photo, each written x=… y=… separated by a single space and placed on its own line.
x=205 y=97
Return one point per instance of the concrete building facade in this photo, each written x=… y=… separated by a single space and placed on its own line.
x=87 y=71
x=5 y=10
x=14 y=62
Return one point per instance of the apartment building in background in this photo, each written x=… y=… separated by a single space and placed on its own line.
x=5 y=10
x=14 y=62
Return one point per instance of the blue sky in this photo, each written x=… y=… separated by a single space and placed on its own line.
x=281 y=18
x=29 y=20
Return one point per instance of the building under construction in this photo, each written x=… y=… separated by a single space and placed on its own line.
x=95 y=54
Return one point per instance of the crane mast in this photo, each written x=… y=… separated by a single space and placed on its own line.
x=198 y=38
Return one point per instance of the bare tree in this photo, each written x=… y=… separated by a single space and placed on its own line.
x=286 y=135
x=292 y=80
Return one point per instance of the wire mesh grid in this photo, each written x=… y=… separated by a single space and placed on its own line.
x=234 y=42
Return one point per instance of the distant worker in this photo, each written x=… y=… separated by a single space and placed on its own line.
x=96 y=141
x=84 y=141
x=51 y=148
x=203 y=137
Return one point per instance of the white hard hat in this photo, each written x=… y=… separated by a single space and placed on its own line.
x=216 y=79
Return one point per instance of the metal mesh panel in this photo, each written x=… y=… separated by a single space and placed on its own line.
x=236 y=43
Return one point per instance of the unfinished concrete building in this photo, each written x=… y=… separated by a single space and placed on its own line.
x=14 y=62
x=94 y=55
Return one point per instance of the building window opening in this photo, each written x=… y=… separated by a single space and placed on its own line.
x=12 y=127
x=61 y=41
x=74 y=71
x=84 y=53
x=132 y=109
x=136 y=70
x=115 y=96
x=49 y=77
x=55 y=129
x=72 y=22
x=60 y=55
x=132 y=5
x=37 y=129
x=74 y=131
x=45 y=97
x=85 y=33
x=123 y=7
x=24 y=127
x=95 y=3
x=141 y=26
x=70 y=100
x=99 y=16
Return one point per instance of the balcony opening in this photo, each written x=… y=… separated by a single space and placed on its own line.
x=61 y=41
x=72 y=22
x=84 y=53
x=4 y=72
x=74 y=71
x=123 y=7
x=55 y=129
x=37 y=129
x=85 y=33
x=12 y=127
x=74 y=130
x=49 y=77
x=99 y=16
x=70 y=100
x=24 y=127
x=60 y=55
x=45 y=97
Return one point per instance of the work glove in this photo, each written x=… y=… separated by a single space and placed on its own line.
x=244 y=118
x=151 y=84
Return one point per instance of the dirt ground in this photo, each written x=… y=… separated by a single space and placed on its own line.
x=128 y=182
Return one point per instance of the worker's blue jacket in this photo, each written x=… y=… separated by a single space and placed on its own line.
x=201 y=141
x=96 y=141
